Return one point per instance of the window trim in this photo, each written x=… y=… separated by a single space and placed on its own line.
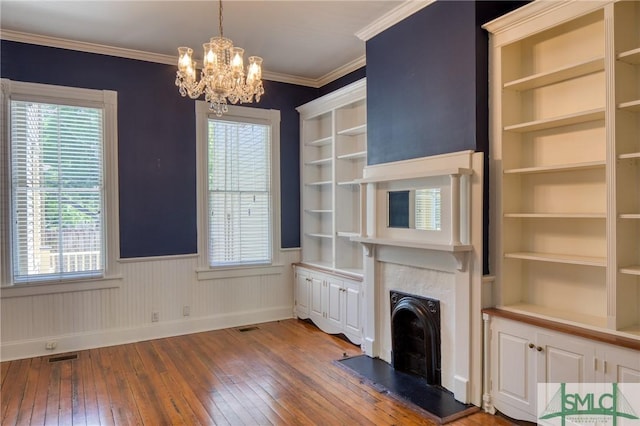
x=236 y=113
x=104 y=99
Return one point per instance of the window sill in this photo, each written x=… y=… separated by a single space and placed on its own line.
x=204 y=274
x=38 y=289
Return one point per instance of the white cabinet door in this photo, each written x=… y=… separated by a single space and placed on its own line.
x=513 y=384
x=316 y=312
x=334 y=289
x=621 y=365
x=564 y=360
x=352 y=308
x=332 y=304
x=303 y=293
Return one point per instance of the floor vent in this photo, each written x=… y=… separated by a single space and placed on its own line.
x=70 y=357
x=242 y=330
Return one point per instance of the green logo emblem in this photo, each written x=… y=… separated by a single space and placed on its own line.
x=588 y=407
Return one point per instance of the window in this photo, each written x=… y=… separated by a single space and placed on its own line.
x=57 y=201
x=240 y=187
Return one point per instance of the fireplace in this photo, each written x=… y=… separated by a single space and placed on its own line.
x=444 y=264
x=415 y=335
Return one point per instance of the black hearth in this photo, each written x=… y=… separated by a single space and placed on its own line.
x=415 y=336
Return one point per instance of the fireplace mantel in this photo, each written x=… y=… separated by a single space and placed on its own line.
x=446 y=261
x=458 y=251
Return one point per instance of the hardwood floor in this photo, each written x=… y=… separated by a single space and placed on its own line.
x=280 y=373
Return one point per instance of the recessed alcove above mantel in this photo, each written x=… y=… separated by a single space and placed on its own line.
x=429 y=209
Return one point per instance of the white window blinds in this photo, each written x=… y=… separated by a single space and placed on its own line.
x=239 y=189
x=428 y=211
x=56 y=191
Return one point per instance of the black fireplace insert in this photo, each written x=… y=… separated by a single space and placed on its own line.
x=415 y=335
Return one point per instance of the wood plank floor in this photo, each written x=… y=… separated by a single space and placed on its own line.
x=281 y=373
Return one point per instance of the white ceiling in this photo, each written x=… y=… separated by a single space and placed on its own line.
x=305 y=40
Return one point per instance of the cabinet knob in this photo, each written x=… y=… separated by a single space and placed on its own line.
x=539 y=348
x=531 y=346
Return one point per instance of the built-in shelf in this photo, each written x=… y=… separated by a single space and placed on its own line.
x=319 y=162
x=630 y=56
x=318 y=211
x=559 y=258
x=633 y=330
x=630 y=106
x=320 y=183
x=631 y=270
x=318 y=235
x=563 y=120
x=629 y=216
x=335 y=124
x=556 y=215
x=347 y=234
x=557 y=75
x=347 y=183
x=353 y=155
x=564 y=244
x=320 y=142
x=557 y=314
x=629 y=156
x=360 y=129
x=559 y=167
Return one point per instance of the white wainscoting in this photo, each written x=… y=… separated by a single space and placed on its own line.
x=87 y=319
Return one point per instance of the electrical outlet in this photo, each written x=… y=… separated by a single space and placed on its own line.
x=50 y=345
x=155 y=316
x=186 y=310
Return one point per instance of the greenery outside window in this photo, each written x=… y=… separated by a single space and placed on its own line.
x=60 y=185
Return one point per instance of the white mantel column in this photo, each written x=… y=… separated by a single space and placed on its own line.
x=370 y=344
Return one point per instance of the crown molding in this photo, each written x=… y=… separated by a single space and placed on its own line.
x=87 y=47
x=147 y=56
x=536 y=9
x=392 y=17
x=342 y=71
x=291 y=79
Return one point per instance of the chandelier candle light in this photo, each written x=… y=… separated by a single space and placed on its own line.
x=222 y=79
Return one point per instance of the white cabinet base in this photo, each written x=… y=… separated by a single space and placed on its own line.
x=332 y=302
x=521 y=355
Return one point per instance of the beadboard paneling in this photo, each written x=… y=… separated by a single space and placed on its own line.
x=84 y=319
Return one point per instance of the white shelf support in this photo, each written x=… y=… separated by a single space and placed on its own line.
x=487 y=404
x=455 y=209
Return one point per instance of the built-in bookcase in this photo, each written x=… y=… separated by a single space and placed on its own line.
x=627 y=161
x=333 y=154
x=565 y=148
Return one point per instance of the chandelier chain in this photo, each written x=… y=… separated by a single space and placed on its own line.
x=220 y=18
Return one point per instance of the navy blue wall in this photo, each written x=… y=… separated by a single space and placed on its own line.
x=427 y=85
x=353 y=76
x=156 y=142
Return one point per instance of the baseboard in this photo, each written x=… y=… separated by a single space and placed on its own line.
x=461 y=389
x=95 y=339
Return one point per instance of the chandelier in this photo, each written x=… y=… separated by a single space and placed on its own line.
x=222 y=79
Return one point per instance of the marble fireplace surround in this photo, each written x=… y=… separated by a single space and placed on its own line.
x=444 y=265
